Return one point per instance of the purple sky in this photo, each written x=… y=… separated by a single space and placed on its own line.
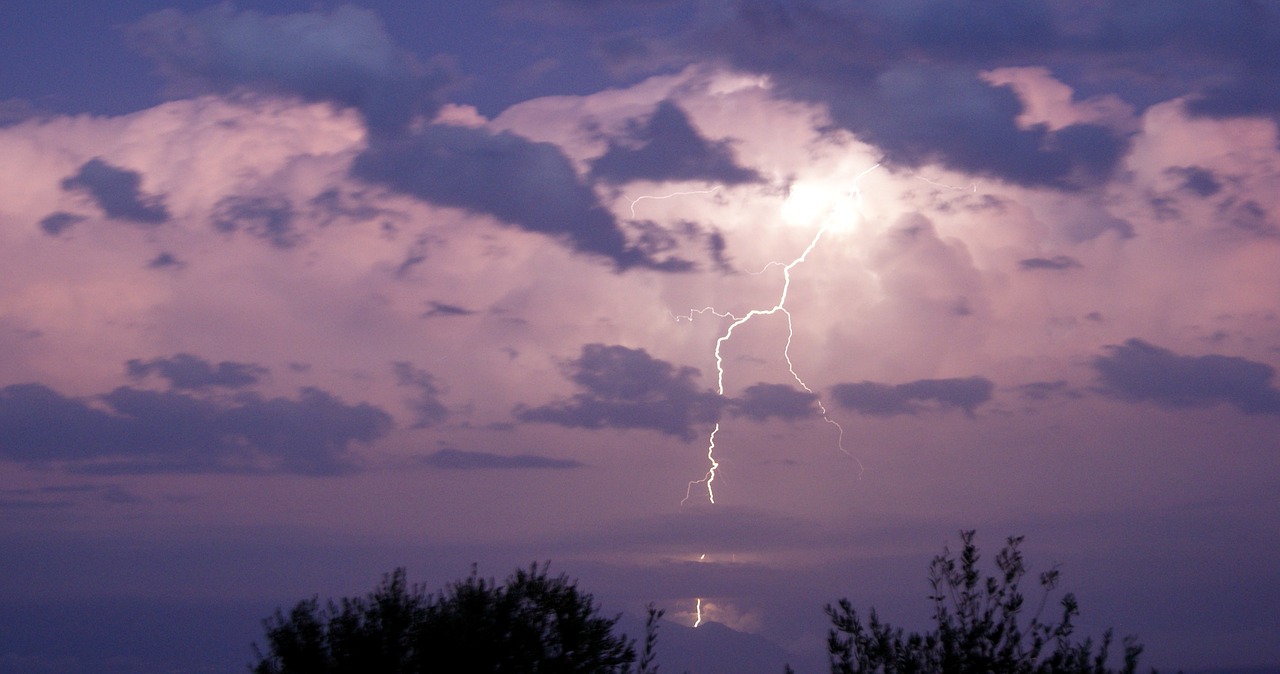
x=292 y=299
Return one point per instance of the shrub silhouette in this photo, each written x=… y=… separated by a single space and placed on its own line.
x=977 y=627
x=532 y=623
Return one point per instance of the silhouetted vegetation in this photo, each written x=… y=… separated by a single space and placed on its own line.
x=978 y=627
x=532 y=623
x=536 y=623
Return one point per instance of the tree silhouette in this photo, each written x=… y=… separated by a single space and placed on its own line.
x=978 y=627
x=532 y=623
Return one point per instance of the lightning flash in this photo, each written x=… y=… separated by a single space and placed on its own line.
x=668 y=196
x=780 y=307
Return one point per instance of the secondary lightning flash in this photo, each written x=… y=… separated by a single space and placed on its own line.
x=668 y=196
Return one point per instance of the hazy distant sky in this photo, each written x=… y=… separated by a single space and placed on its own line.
x=293 y=296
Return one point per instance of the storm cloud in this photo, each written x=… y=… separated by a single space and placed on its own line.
x=1057 y=262
x=268 y=218
x=54 y=224
x=1197 y=180
x=909 y=82
x=1140 y=371
x=117 y=191
x=186 y=371
x=887 y=400
x=761 y=402
x=627 y=388
x=343 y=57
x=908 y=77
x=528 y=184
x=130 y=430
x=666 y=146
x=427 y=408
x=457 y=459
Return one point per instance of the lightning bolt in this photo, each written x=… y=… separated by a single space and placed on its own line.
x=973 y=187
x=778 y=308
x=698 y=610
x=668 y=196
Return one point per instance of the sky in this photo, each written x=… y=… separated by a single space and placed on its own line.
x=732 y=307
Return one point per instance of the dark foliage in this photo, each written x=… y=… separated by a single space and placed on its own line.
x=532 y=623
x=978 y=627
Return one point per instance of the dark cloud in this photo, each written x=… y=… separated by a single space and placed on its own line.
x=1092 y=225
x=666 y=146
x=435 y=308
x=118 y=192
x=908 y=80
x=347 y=58
x=652 y=238
x=29 y=504
x=528 y=184
x=1237 y=41
x=136 y=431
x=761 y=402
x=907 y=75
x=716 y=247
x=886 y=400
x=1197 y=180
x=54 y=224
x=628 y=388
x=17 y=110
x=1247 y=215
x=1139 y=371
x=164 y=260
x=456 y=459
x=268 y=218
x=1044 y=390
x=411 y=260
x=427 y=408
x=344 y=57
x=44 y=498
x=333 y=203
x=918 y=114
x=1057 y=262
x=185 y=371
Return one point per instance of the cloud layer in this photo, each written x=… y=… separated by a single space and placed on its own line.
x=142 y=431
